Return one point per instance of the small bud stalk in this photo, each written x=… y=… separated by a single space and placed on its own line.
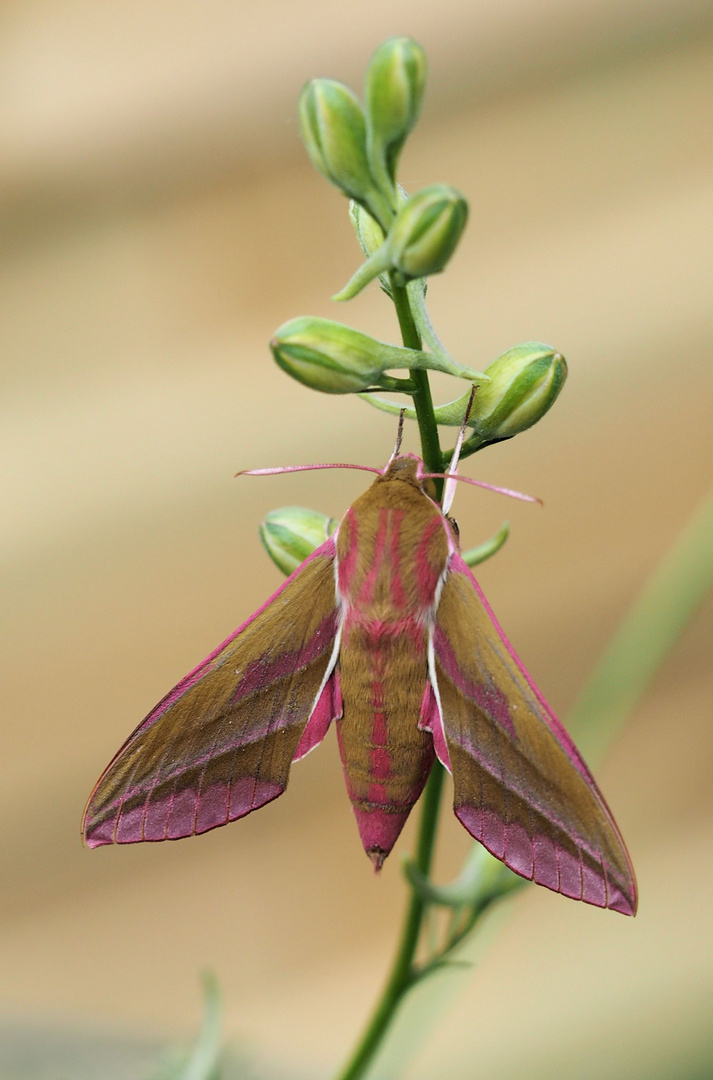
x=336 y=359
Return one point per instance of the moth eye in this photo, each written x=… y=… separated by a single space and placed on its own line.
x=454 y=527
x=429 y=488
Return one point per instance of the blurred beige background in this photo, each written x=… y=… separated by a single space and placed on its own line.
x=159 y=220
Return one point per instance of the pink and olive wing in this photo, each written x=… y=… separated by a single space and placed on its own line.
x=221 y=742
x=520 y=785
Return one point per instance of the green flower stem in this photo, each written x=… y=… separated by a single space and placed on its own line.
x=403 y=973
x=398 y=386
x=422 y=399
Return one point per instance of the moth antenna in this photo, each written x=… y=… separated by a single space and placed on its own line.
x=399 y=437
x=450 y=488
x=304 y=468
x=481 y=484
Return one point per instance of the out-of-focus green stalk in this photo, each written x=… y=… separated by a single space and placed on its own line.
x=203 y=1060
x=645 y=636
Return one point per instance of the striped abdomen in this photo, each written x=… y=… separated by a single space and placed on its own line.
x=392 y=551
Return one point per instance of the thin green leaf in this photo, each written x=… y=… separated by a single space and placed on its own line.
x=488 y=548
x=481 y=878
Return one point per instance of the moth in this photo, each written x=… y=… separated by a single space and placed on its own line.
x=384 y=631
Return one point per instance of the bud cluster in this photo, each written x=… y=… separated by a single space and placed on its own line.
x=405 y=239
x=357 y=149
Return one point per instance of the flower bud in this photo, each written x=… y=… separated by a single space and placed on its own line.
x=371 y=240
x=335 y=359
x=292 y=533
x=524 y=384
x=369 y=233
x=393 y=94
x=327 y=356
x=334 y=134
x=426 y=230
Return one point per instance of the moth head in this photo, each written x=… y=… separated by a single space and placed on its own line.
x=409 y=469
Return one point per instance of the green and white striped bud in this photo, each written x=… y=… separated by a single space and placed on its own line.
x=426 y=231
x=336 y=359
x=393 y=95
x=292 y=533
x=334 y=134
x=369 y=233
x=524 y=383
x=420 y=242
x=371 y=239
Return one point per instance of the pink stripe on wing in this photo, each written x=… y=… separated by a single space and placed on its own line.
x=213 y=807
x=248 y=794
x=519 y=851
x=570 y=869
x=346 y=564
x=487 y=696
x=156 y=819
x=258 y=674
x=546 y=871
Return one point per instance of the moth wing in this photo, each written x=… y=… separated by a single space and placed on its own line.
x=221 y=742
x=520 y=785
